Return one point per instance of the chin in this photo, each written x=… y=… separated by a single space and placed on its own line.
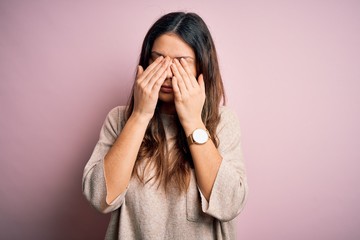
x=166 y=97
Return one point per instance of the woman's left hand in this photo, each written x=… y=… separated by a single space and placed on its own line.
x=189 y=95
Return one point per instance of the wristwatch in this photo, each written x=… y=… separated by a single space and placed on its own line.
x=198 y=136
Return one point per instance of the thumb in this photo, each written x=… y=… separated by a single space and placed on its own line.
x=201 y=82
x=139 y=71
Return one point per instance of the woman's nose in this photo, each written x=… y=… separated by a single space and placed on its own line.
x=169 y=73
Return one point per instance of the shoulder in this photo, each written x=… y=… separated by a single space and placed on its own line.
x=227 y=115
x=229 y=122
x=117 y=112
x=228 y=130
x=116 y=117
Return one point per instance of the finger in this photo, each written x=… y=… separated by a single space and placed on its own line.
x=177 y=93
x=153 y=67
x=180 y=81
x=187 y=69
x=157 y=85
x=159 y=74
x=158 y=82
x=145 y=82
x=201 y=82
x=139 y=71
x=184 y=75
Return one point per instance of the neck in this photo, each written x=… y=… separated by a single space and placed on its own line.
x=167 y=108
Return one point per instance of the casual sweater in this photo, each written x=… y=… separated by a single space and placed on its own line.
x=145 y=211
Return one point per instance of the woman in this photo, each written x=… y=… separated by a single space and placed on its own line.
x=169 y=165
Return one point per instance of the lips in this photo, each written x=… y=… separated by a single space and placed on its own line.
x=166 y=89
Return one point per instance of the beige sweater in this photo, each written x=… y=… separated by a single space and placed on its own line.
x=146 y=212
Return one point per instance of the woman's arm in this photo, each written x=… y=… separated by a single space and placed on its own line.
x=229 y=192
x=219 y=172
x=207 y=161
x=189 y=101
x=119 y=161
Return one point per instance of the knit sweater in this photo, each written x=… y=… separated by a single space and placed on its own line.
x=145 y=211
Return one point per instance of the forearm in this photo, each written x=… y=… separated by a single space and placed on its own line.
x=207 y=160
x=119 y=161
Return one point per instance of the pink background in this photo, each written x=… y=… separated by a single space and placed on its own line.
x=291 y=69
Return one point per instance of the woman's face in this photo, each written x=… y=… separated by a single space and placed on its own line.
x=171 y=45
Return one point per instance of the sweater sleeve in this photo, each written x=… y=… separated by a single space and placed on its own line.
x=93 y=181
x=229 y=191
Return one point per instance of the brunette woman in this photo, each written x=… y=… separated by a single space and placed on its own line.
x=169 y=164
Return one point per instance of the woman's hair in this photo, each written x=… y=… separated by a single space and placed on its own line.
x=154 y=152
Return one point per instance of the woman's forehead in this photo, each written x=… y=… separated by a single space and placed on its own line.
x=173 y=46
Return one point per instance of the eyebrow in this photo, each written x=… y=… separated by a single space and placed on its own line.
x=179 y=57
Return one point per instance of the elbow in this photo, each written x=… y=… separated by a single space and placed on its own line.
x=233 y=207
x=96 y=196
x=242 y=198
x=94 y=189
x=98 y=202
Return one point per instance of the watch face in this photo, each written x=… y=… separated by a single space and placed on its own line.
x=200 y=136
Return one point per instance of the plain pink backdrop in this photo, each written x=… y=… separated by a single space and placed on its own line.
x=291 y=70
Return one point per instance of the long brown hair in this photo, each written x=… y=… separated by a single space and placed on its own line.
x=153 y=150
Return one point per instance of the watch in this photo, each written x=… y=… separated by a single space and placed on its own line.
x=198 y=136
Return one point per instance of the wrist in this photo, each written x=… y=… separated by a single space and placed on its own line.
x=140 y=118
x=189 y=127
x=199 y=137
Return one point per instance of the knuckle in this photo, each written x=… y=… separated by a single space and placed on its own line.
x=142 y=85
x=138 y=83
x=147 y=91
x=138 y=80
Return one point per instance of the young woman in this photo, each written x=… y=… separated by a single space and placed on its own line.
x=169 y=165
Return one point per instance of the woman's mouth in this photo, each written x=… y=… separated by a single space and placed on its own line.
x=166 y=89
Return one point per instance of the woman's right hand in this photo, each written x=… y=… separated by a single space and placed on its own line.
x=147 y=87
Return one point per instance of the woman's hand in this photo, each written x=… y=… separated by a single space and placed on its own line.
x=189 y=95
x=147 y=87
